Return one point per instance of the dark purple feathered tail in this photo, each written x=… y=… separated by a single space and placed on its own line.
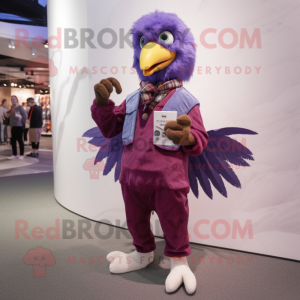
x=213 y=161
x=208 y=167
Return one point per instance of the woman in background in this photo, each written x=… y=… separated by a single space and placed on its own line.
x=17 y=120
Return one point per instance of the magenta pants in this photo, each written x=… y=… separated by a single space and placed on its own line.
x=172 y=209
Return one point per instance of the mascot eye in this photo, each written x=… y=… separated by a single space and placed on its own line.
x=142 y=42
x=166 y=37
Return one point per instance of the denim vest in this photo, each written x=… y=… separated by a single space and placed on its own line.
x=181 y=101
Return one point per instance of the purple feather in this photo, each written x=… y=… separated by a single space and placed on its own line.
x=225 y=147
x=213 y=176
x=98 y=141
x=93 y=132
x=110 y=162
x=222 y=168
x=233 y=130
x=220 y=150
x=197 y=172
x=100 y=156
x=112 y=149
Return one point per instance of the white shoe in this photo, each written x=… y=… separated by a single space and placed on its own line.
x=180 y=272
x=121 y=262
x=21 y=157
x=13 y=157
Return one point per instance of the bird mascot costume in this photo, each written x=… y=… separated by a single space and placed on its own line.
x=159 y=177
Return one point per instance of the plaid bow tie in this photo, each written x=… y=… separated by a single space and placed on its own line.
x=150 y=92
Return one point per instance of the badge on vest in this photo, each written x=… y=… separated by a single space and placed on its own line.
x=160 y=119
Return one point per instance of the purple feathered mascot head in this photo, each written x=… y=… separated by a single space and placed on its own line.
x=164 y=48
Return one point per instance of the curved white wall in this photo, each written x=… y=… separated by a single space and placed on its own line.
x=267 y=103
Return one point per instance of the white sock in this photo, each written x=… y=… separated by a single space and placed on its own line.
x=180 y=272
x=121 y=262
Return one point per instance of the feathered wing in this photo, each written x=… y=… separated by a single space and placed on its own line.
x=111 y=148
x=212 y=164
x=207 y=168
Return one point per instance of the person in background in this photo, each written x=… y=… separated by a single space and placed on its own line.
x=3 y=129
x=36 y=123
x=17 y=120
x=27 y=124
x=8 y=127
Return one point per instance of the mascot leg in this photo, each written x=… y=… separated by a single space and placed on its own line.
x=138 y=213
x=173 y=212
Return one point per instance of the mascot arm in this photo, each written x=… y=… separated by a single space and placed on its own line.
x=109 y=118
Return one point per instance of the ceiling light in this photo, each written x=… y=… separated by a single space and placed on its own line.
x=4 y=84
x=12 y=84
x=49 y=85
x=11 y=44
x=46 y=91
x=32 y=85
x=20 y=86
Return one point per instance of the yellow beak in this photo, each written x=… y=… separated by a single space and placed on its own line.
x=155 y=57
